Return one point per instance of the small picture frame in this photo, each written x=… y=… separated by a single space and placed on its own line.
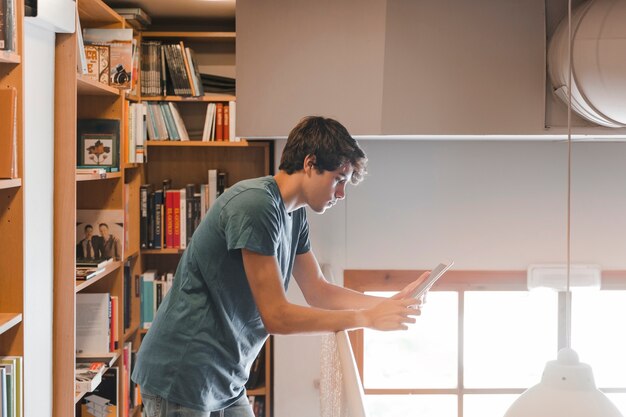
x=98 y=144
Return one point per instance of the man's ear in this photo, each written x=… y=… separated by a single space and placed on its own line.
x=309 y=162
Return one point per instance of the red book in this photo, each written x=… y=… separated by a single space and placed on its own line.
x=176 y=206
x=169 y=219
x=219 y=121
x=226 y=123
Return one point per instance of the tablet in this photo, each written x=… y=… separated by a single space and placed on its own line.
x=435 y=274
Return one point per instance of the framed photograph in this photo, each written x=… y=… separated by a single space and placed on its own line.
x=98 y=144
x=99 y=235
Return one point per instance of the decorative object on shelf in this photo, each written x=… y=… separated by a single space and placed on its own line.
x=99 y=144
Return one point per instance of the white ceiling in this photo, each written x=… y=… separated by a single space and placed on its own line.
x=182 y=9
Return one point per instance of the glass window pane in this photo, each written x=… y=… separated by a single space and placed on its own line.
x=509 y=336
x=482 y=405
x=599 y=335
x=411 y=405
x=425 y=356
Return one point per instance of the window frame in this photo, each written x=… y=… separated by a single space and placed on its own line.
x=461 y=281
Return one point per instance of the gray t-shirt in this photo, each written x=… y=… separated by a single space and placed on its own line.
x=208 y=329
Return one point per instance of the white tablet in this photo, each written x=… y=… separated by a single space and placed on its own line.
x=435 y=274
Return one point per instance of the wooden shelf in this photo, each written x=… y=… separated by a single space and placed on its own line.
x=128 y=333
x=9 y=57
x=98 y=177
x=187 y=143
x=81 y=284
x=88 y=87
x=173 y=251
x=205 y=98
x=97 y=13
x=9 y=320
x=192 y=36
x=257 y=391
x=11 y=183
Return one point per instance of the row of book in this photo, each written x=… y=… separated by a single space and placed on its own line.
x=137 y=133
x=168 y=217
x=97 y=330
x=100 y=381
x=11 y=386
x=164 y=122
x=8 y=28
x=154 y=287
x=168 y=68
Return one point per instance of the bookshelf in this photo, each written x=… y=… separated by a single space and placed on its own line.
x=12 y=200
x=82 y=98
x=215 y=52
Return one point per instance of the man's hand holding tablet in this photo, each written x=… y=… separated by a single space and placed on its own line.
x=418 y=288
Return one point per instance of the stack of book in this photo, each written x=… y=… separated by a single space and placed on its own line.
x=169 y=69
x=11 y=386
x=169 y=217
x=154 y=288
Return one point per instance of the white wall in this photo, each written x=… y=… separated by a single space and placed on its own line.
x=38 y=225
x=487 y=205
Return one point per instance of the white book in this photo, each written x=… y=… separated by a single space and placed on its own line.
x=208 y=134
x=82 y=57
x=3 y=392
x=232 y=119
x=183 y=218
x=178 y=121
x=212 y=186
x=92 y=322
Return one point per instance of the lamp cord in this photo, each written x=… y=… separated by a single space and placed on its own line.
x=569 y=176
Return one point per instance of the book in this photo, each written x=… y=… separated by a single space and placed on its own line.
x=120 y=42
x=93 y=314
x=88 y=375
x=98 y=142
x=137 y=18
x=85 y=273
x=103 y=400
x=97 y=58
x=3 y=393
x=144 y=193
x=8 y=37
x=8 y=133
x=92 y=263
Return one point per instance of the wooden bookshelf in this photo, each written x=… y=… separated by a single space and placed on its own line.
x=82 y=98
x=12 y=191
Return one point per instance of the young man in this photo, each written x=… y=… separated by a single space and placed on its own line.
x=229 y=288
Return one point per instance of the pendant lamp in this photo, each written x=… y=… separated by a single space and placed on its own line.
x=567 y=387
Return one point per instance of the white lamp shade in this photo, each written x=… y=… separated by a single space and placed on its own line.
x=567 y=389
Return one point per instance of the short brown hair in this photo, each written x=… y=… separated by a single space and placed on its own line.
x=330 y=143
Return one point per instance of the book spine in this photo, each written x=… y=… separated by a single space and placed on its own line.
x=143 y=216
x=176 y=219
x=169 y=222
x=219 y=121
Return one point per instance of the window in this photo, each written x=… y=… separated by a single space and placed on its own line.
x=482 y=340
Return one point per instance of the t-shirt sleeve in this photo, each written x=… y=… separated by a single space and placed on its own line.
x=251 y=221
x=304 y=245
